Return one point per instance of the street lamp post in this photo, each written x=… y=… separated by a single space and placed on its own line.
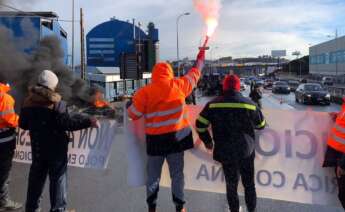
x=212 y=62
x=72 y=35
x=177 y=41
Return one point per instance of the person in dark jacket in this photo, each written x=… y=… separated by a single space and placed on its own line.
x=191 y=99
x=233 y=119
x=46 y=118
x=256 y=95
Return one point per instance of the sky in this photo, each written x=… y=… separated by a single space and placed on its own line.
x=247 y=28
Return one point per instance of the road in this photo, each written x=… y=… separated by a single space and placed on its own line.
x=107 y=190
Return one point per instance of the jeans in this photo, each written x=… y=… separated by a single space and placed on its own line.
x=6 y=156
x=154 y=169
x=341 y=187
x=232 y=172
x=57 y=172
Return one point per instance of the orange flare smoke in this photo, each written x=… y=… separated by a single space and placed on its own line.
x=209 y=10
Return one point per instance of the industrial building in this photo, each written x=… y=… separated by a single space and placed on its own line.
x=328 y=58
x=120 y=57
x=28 y=28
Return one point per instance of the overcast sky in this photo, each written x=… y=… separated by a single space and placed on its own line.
x=246 y=28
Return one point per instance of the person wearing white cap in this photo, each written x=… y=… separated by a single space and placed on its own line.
x=48 y=79
x=47 y=123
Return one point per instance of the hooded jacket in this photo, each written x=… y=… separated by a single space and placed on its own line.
x=46 y=118
x=162 y=104
x=8 y=118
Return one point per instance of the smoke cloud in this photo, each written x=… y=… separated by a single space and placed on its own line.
x=21 y=70
x=209 y=10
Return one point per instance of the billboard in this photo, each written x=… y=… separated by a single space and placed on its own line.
x=278 y=53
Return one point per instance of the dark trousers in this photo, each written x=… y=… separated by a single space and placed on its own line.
x=232 y=172
x=6 y=156
x=154 y=169
x=57 y=172
x=341 y=187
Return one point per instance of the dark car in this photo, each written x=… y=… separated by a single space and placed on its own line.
x=281 y=87
x=259 y=82
x=312 y=93
x=268 y=84
x=293 y=84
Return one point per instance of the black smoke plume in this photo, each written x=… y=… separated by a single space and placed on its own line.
x=21 y=70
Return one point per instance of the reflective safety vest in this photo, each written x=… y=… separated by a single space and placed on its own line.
x=8 y=117
x=336 y=138
x=162 y=103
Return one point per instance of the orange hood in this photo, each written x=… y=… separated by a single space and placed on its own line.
x=4 y=88
x=162 y=72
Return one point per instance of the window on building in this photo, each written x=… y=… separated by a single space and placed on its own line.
x=327 y=58
x=129 y=85
x=119 y=88
x=47 y=23
x=63 y=34
x=333 y=58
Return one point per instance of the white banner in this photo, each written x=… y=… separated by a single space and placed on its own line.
x=88 y=148
x=289 y=157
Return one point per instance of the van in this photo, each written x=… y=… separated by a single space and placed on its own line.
x=327 y=81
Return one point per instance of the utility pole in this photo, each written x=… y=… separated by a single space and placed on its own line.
x=72 y=35
x=177 y=41
x=82 y=46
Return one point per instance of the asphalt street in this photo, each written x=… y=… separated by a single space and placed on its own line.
x=107 y=190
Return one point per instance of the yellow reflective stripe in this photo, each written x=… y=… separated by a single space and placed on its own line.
x=7 y=139
x=203 y=120
x=263 y=123
x=134 y=110
x=165 y=113
x=338 y=139
x=191 y=80
x=167 y=122
x=233 y=105
x=339 y=128
x=201 y=130
x=7 y=112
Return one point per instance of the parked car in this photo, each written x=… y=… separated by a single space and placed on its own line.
x=259 y=82
x=247 y=81
x=327 y=81
x=268 y=83
x=293 y=84
x=312 y=93
x=280 y=87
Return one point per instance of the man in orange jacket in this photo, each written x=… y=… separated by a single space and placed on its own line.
x=168 y=132
x=8 y=125
x=335 y=154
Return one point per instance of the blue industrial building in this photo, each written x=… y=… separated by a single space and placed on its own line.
x=28 y=28
x=107 y=43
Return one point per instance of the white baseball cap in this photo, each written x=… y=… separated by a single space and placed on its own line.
x=48 y=79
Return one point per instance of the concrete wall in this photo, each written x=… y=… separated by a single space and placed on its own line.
x=323 y=57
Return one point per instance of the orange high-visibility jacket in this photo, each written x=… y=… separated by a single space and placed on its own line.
x=162 y=103
x=336 y=139
x=8 y=117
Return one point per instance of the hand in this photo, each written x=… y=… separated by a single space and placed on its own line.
x=200 y=59
x=209 y=146
x=333 y=115
x=128 y=104
x=340 y=172
x=94 y=123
